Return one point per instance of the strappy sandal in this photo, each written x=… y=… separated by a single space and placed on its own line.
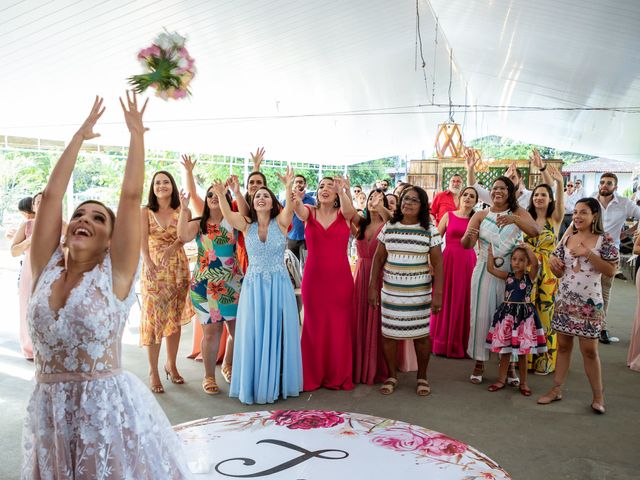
x=226 y=369
x=155 y=387
x=389 y=386
x=210 y=386
x=477 y=378
x=423 y=388
x=525 y=390
x=178 y=380
x=499 y=385
x=554 y=395
x=512 y=377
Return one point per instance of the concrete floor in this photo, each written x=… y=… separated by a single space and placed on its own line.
x=561 y=441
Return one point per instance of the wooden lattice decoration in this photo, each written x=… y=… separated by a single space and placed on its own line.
x=449 y=141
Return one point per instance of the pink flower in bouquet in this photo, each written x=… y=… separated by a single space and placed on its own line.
x=179 y=94
x=443 y=446
x=402 y=439
x=306 y=419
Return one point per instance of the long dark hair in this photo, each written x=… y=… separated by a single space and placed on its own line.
x=367 y=215
x=152 y=201
x=336 y=202
x=472 y=212
x=206 y=210
x=112 y=215
x=595 y=208
x=26 y=205
x=512 y=201
x=275 y=206
x=423 y=214
x=550 y=208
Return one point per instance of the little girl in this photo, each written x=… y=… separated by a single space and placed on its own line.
x=516 y=328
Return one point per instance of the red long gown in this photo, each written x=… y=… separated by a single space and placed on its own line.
x=327 y=296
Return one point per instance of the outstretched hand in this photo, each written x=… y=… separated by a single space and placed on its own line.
x=555 y=174
x=133 y=116
x=536 y=159
x=257 y=158
x=86 y=129
x=218 y=188
x=184 y=199
x=187 y=163
x=288 y=176
x=234 y=184
x=470 y=158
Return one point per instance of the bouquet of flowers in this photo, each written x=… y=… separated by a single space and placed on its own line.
x=168 y=67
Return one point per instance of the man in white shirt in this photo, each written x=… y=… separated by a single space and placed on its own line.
x=615 y=211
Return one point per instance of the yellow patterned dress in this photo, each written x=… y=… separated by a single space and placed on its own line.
x=165 y=304
x=544 y=296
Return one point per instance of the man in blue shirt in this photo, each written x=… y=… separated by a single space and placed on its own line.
x=295 y=238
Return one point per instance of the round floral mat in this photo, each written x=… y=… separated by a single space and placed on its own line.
x=318 y=444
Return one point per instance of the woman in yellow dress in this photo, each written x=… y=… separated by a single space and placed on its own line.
x=549 y=214
x=165 y=278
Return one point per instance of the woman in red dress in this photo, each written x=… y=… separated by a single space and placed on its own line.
x=327 y=289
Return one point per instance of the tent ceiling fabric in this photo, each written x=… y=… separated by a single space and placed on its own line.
x=329 y=81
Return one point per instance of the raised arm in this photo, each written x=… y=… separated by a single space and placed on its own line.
x=241 y=202
x=187 y=230
x=48 y=222
x=536 y=161
x=558 y=211
x=125 y=239
x=471 y=161
x=298 y=207
x=523 y=220
x=198 y=203
x=491 y=267
x=377 y=205
x=346 y=204
x=286 y=214
x=236 y=219
x=257 y=158
x=533 y=261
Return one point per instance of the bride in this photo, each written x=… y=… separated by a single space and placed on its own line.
x=86 y=417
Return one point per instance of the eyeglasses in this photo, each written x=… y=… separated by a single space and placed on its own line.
x=610 y=183
x=411 y=200
x=569 y=185
x=210 y=194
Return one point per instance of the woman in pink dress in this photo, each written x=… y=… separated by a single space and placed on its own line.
x=450 y=327
x=21 y=244
x=368 y=360
x=327 y=289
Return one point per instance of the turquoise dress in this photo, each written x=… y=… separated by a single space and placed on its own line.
x=267 y=362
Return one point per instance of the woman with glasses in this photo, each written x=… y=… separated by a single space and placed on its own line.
x=215 y=284
x=500 y=226
x=408 y=250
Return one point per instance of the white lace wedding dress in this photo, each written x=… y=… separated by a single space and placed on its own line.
x=86 y=417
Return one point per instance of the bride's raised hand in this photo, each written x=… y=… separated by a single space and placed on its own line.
x=132 y=115
x=86 y=129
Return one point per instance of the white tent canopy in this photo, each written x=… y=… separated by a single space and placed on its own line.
x=332 y=81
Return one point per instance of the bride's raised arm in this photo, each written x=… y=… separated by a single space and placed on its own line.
x=48 y=224
x=125 y=240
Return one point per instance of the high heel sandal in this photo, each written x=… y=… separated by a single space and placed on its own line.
x=499 y=385
x=477 y=378
x=226 y=370
x=155 y=387
x=598 y=407
x=210 y=386
x=177 y=379
x=554 y=395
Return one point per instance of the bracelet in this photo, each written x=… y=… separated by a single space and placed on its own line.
x=544 y=168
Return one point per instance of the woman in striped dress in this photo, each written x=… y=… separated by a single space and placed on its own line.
x=408 y=244
x=500 y=226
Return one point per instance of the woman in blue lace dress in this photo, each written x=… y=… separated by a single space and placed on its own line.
x=267 y=362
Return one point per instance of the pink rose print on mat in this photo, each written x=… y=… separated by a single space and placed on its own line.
x=306 y=419
x=402 y=439
x=443 y=446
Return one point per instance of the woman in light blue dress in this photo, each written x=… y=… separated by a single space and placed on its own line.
x=267 y=362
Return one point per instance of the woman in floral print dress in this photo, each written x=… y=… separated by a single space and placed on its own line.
x=215 y=283
x=580 y=260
